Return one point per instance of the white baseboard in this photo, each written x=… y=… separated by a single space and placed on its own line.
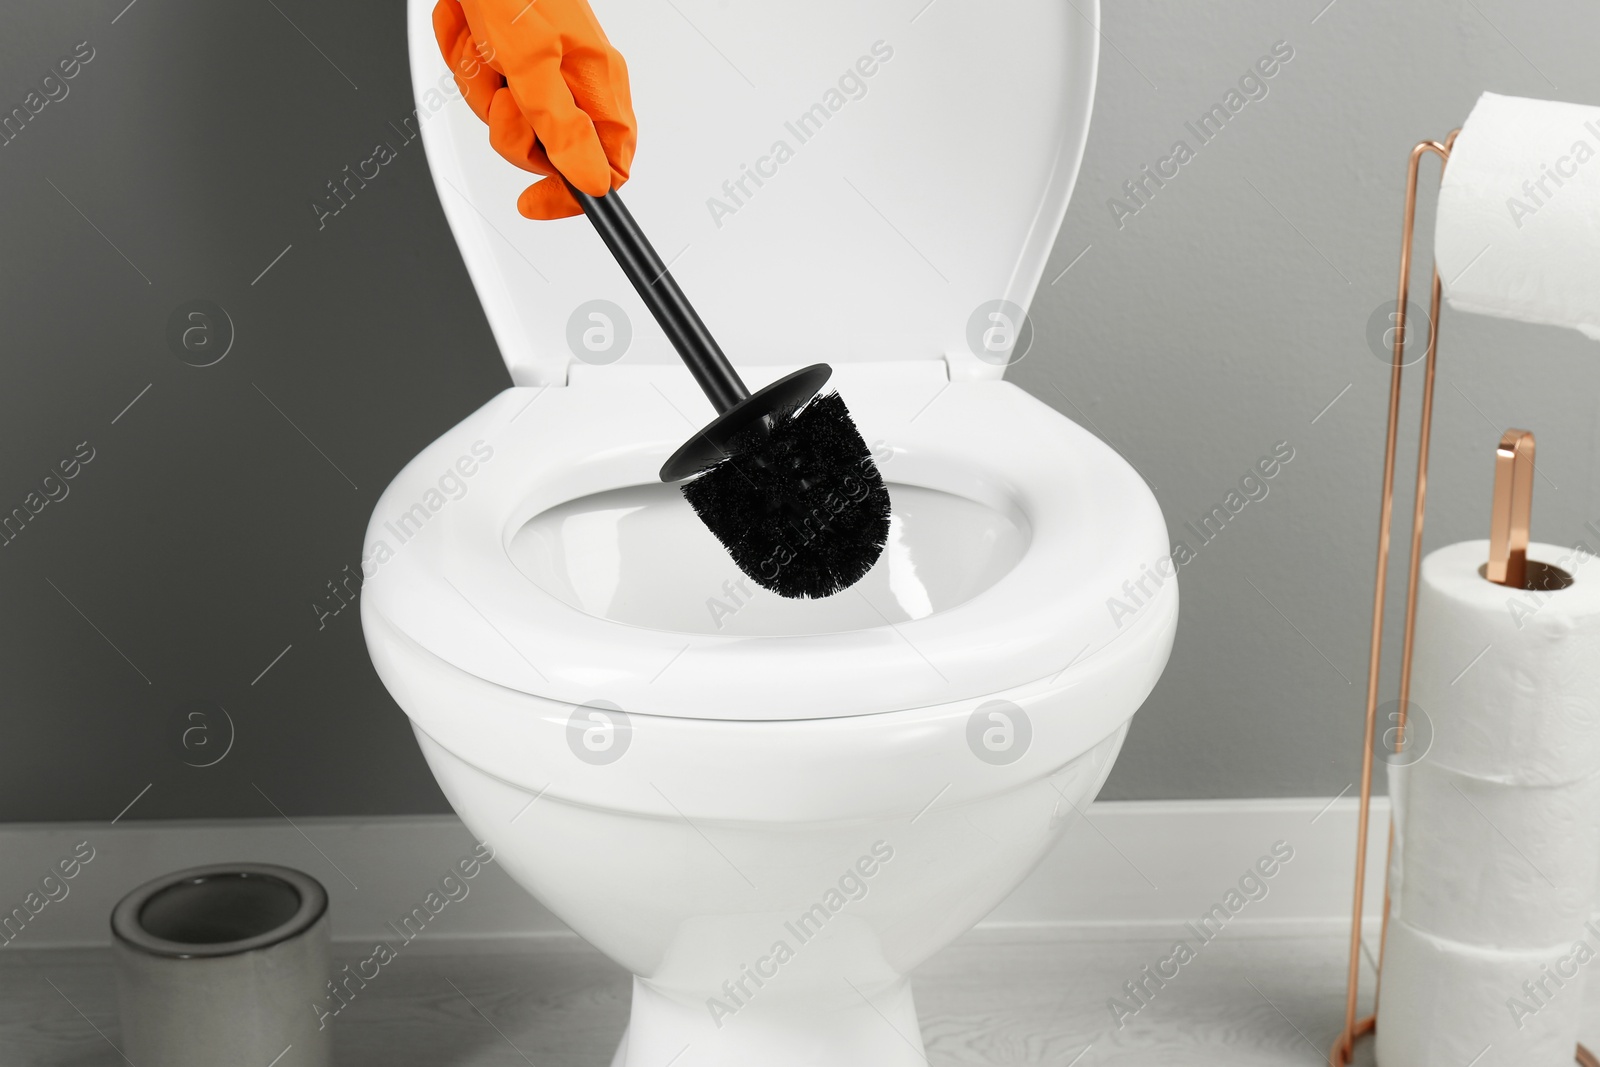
x=1129 y=868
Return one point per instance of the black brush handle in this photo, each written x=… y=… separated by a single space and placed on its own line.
x=655 y=285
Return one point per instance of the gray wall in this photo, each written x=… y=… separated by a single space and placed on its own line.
x=1229 y=312
x=1195 y=336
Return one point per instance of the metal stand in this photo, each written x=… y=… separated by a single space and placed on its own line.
x=1506 y=526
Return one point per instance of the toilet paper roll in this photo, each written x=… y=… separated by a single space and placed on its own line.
x=1509 y=680
x=1399 y=780
x=1518 y=229
x=1444 y=1004
x=1498 y=866
x=1398 y=775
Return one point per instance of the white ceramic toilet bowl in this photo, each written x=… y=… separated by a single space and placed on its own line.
x=771 y=811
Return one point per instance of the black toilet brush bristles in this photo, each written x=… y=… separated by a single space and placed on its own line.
x=782 y=476
x=799 y=505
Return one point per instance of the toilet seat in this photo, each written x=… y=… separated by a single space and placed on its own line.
x=452 y=588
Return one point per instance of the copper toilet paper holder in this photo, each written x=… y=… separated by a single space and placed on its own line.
x=1508 y=565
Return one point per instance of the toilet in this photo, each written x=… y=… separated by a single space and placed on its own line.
x=768 y=811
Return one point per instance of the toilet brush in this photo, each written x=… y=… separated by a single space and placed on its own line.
x=781 y=476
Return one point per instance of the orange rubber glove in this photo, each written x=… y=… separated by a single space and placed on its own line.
x=552 y=89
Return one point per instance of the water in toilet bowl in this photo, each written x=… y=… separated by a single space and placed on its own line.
x=638 y=555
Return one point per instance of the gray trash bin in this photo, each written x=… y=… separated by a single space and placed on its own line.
x=223 y=965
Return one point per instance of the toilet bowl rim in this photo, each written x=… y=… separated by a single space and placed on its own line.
x=799 y=770
x=462 y=556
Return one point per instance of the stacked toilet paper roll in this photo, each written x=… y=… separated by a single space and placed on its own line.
x=1518 y=229
x=1490 y=937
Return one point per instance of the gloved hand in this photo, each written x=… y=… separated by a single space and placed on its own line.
x=552 y=89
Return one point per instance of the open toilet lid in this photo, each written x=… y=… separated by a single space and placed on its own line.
x=914 y=157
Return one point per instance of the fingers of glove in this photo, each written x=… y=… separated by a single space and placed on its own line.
x=529 y=40
x=548 y=199
x=598 y=80
x=559 y=101
x=567 y=134
x=596 y=71
x=475 y=78
x=512 y=137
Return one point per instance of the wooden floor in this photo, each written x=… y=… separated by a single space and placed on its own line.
x=992 y=998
